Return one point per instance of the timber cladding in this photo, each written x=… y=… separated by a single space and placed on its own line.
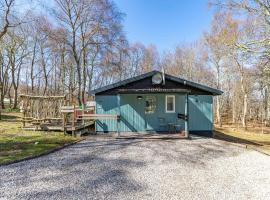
x=130 y=99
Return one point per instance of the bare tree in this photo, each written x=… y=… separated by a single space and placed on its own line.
x=150 y=59
x=6 y=9
x=217 y=41
x=16 y=52
x=4 y=77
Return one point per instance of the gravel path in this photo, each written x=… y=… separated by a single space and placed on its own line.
x=141 y=169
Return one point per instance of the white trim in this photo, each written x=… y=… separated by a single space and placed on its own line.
x=170 y=111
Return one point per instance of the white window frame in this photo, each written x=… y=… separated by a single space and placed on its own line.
x=166 y=109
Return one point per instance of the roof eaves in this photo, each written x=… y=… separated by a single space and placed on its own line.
x=170 y=77
x=123 y=82
x=194 y=84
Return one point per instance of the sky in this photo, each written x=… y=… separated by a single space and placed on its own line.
x=165 y=23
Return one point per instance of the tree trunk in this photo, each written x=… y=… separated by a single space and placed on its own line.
x=244 y=91
x=218 y=111
x=84 y=74
x=91 y=71
x=244 y=117
x=78 y=66
x=62 y=71
x=79 y=83
x=9 y=96
x=233 y=112
x=266 y=109
x=2 y=101
x=13 y=71
x=90 y=76
x=43 y=63
x=32 y=67
x=71 y=82
x=219 y=119
x=15 y=103
x=244 y=111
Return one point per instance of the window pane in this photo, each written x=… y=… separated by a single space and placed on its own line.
x=170 y=103
x=150 y=105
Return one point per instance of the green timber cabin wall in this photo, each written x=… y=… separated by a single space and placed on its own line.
x=121 y=98
x=134 y=119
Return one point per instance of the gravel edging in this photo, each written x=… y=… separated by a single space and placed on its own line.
x=106 y=168
x=254 y=147
x=42 y=154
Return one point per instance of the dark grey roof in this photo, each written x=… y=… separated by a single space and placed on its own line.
x=167 y=76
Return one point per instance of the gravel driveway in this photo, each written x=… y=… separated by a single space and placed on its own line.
x=104 y=168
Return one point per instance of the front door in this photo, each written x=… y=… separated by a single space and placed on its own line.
x=144 y=113
x=150 y=109
x=139 y=121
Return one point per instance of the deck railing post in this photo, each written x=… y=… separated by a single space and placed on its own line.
x=23 y=120
x=64 y=123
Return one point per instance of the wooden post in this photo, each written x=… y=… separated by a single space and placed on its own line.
x=23 y=121
x=186 y=117
x=82 y=116
x=64 y=123
x=64 y=118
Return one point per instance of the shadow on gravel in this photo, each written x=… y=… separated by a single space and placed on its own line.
x=112 y=184
x=89 y=167
x=103 y=168
x=192 y=153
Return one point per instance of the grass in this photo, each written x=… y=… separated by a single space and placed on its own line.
x=17 y=144
x=252 y=137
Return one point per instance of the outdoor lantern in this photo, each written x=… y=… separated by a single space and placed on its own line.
x=196 y=100
x=139 y=97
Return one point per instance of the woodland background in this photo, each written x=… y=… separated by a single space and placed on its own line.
x=73 y=46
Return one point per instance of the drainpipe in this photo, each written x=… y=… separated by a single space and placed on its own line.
x=186 y=117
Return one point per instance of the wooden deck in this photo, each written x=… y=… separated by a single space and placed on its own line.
x=80 y=127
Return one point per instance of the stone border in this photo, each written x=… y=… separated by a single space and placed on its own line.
x=153 y=137
x=254 y=146
x=42 y=154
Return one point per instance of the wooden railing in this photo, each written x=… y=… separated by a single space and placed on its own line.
x=81 y=114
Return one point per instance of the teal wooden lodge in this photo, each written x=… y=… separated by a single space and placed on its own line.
x=156 y=102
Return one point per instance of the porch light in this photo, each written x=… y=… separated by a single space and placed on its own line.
x=196 y=99
x=139 y=97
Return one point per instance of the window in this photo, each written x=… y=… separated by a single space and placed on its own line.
x=150 y=104
x=170 y=104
